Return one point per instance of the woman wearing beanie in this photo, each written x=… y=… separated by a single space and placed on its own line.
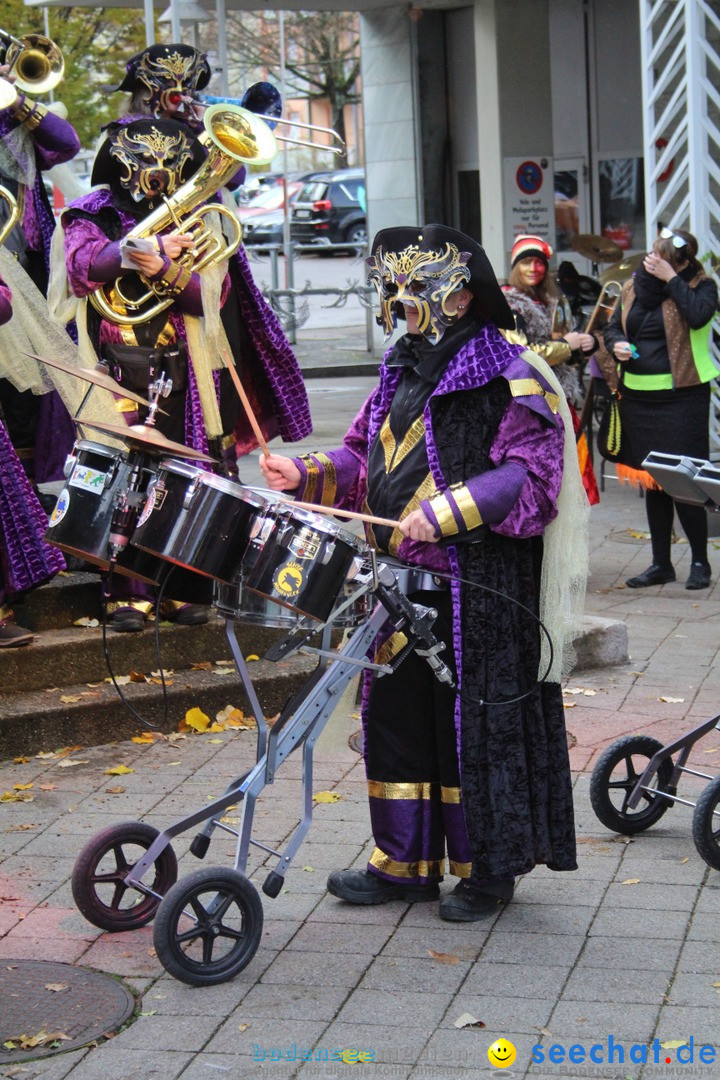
x=533 y=298
x=660 y=334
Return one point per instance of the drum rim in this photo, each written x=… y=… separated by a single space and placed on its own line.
x=211 y=479
x=102 y=448
x=333 y=528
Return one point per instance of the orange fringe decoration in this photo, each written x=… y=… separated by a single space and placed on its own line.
x=637 y=478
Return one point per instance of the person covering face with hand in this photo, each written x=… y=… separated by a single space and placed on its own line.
x=463 y=444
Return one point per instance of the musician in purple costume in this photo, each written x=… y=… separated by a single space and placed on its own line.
x=460 y=442
x=25 y=560
x=139 y=161
x=164 y=81
x=33 y=140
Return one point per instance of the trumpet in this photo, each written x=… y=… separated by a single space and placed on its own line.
x=233 y=137
x=36 y=60
x=14 y=210
x=605 y=304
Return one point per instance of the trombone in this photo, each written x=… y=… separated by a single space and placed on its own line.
x=339 y=149
x=37 y=61
x=605 y=303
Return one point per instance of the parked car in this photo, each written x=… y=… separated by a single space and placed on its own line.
x=263 y=230
x=331 y=209
x=271 y=198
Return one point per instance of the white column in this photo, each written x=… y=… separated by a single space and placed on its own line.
x=149 y=23
x=490 y=150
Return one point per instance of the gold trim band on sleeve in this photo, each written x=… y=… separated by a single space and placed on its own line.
x=442 y=510
x=467 y=506
x=329 y=488
x=313 y=476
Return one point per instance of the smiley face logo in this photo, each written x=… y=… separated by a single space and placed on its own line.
x=501 y=1054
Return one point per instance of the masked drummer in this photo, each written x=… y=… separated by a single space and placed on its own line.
x=25 y=560
x=467 y=442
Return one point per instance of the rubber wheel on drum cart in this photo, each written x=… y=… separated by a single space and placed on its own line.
x=98 y=877
x=706 y=824
x=618 y=770
x=208 y=927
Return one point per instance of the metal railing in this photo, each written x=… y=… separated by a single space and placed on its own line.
x=290 y=304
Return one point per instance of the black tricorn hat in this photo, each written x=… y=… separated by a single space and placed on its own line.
x=161 y=52
x=107 y=169
x=489 y=300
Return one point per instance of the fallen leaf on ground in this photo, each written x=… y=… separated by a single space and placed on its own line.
x=22 y=787
x=13 y=796
x=56 y=987
x=67 y=763
x=202 y=665
x=579 y=690
x=674 y=1044
x=672 y=700
x=114 y=790
x=137 y=676
x=252 y=656
x=85 y=621
x=121 y=680
x=468 y=1020
x=309 y=869
x=118 y=770
x=45 y=755
x=21 y=760
x=70 y=699
x=443 y=957
x=47 y=787
x=326 y=796
x=631 y=881
x=569 y=704
x=222 y=671
x=195 y=719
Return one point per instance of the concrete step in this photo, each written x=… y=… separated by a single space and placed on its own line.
x=91 y=715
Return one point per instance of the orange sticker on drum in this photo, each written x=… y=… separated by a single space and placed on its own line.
x=61 y=508
x=288 y=580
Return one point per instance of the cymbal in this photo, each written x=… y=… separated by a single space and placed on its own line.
x=621 y=271
x=596 y=248
x=149 y=438
x=99 y=378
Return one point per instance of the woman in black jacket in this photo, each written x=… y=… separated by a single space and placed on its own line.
x=660 y=335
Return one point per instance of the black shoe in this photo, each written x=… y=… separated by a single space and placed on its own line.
x=654 y=575
x=699 y=576
x=127 y=620
x=12 y=635
x=468 y=903
x=362 y=887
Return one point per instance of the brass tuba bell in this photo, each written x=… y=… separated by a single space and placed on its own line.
x=36 y=62
x=7 y=227
x=233 y=136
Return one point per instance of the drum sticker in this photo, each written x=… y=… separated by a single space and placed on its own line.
x=306 y=544
x=288 y=580
x=87 y=479
x=61 y=508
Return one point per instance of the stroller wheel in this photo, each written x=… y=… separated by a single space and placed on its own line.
x=618 y=770
x=98 y=877
x=706 y=824
x=208 y=927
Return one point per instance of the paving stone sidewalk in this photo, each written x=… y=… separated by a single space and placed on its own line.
x=625 y=948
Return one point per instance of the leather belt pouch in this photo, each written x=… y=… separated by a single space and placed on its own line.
x=134 y=367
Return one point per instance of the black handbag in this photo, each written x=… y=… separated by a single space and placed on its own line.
x=134 y=367
x=609 y=435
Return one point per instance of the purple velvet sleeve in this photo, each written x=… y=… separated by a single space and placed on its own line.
x=56 y=141
x=338 y=477
x=105 y=266
x=517 y=497
x=5 y=303
x=84 y=244
x=525 y=438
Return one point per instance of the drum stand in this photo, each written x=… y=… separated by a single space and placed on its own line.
x=208 y=925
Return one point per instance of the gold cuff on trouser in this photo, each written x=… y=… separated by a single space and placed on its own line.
x=144 y=606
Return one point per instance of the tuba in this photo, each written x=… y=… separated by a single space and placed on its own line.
x=8 y=225
x=232 y=137
x=36 y=60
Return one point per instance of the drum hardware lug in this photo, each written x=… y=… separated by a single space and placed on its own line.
x=190 y=493
x=285 y=532
x=328 y=553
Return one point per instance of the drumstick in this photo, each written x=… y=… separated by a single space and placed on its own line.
x=333 y=511
x=248 y=408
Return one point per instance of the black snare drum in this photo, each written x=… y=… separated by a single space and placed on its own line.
x=97 y=475
x=198 y=520
x=304 y=562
